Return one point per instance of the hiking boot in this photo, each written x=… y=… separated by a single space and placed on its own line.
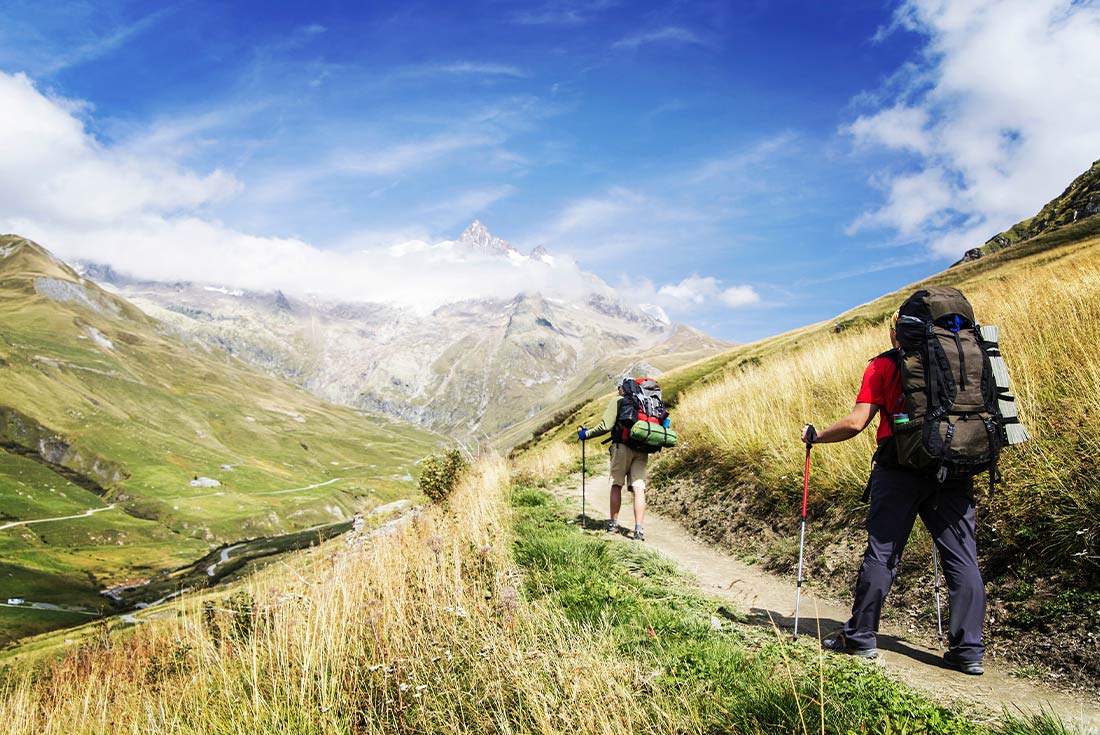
x=612 y=526
x=639 y=534
x=839 y=644
x=974 y=668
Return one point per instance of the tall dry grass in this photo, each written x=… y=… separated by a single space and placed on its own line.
x=1049 y=314
x=423 y=630
x=547 y=461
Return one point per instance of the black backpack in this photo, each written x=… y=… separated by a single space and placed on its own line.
x=642 y=414
x=949 y=423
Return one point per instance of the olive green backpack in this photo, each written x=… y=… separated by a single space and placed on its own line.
x=955 y=410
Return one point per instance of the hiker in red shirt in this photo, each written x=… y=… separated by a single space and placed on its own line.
x=898 y=495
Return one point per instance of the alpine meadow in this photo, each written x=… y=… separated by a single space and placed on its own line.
x=527 y=367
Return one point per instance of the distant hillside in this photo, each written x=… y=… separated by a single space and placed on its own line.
x=1080 y=201
x=155 y=450
x=485 y=369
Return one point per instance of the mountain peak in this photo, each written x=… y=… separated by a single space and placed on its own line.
x=541 y=253
x=20 y=255
x=477 y=237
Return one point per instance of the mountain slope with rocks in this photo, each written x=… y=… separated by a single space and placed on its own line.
x=472 y=368
x=1078 y=205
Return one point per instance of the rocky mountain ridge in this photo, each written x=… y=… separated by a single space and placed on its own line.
x=1080 y=201
x=470 y=368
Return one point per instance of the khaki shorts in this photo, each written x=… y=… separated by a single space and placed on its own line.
x=628 y=466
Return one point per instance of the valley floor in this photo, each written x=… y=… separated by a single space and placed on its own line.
x=769 y=600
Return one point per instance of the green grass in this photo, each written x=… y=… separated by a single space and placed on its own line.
x=737 y=678
x=138 y=421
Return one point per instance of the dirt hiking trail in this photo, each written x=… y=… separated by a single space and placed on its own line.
x=766 y=598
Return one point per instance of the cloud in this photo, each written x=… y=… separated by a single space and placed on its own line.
x=468 y=204
x=995 y=119
x=140 y=210
x=693 y=294
x=743 y=162
x=476 y=68
x=692 y=291
x=673 y=35
x=51 y=169
x=563 y=12
x=737 y=296
x=99 y=46
x=404 y=157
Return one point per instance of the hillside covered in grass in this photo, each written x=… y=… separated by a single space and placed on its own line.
x=490 y=613
x=736 y=479
x=149 y=451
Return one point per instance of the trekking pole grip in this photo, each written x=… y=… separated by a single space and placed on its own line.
x=811 y=435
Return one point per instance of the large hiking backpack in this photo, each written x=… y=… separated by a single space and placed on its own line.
x=951 y=423
x=642 y=417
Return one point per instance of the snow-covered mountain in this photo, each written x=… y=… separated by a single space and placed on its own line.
x=474 y=367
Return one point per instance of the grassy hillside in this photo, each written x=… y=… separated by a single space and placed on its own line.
x=491 y=614
x=736 y=479
x=100 y=410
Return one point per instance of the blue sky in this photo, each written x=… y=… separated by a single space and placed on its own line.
x=749 y=166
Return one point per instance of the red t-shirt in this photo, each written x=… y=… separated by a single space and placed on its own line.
x=882 y=387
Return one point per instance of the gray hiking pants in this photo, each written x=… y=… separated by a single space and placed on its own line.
x=898 y=496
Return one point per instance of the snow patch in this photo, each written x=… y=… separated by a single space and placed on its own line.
x=226 y=291
x=7 y=250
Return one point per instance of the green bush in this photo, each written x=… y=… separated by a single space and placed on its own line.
x=440 y=475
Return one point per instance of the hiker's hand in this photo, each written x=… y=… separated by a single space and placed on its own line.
x=809 y=434
x=582 y=433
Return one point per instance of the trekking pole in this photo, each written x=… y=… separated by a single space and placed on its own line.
x=811 y=434
x=936 y=585
x=584 y=472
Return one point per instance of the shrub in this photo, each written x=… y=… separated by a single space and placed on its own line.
x=440 y=475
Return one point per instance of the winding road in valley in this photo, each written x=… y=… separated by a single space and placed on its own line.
x=769 y=600
x=85 y=514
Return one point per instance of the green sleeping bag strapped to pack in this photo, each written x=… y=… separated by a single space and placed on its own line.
x=653 y=434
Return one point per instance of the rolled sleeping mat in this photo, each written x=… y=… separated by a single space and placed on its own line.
x=655 y=435
x=1014 y=431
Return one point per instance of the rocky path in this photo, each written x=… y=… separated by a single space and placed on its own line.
x=769 y=600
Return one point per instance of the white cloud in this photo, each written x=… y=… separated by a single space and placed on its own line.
x=401 y=158
x=52 y=170
x=668 y=35
x=479 y=69
x=99 y=46
x=467 y=205
x=737 y=296
x=691 y=294
x=901 y=127
x=139 y=210
x=692 y=291
x=1001 y=117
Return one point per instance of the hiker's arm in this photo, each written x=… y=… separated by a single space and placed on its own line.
x=610 y=414
x=847 y=427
